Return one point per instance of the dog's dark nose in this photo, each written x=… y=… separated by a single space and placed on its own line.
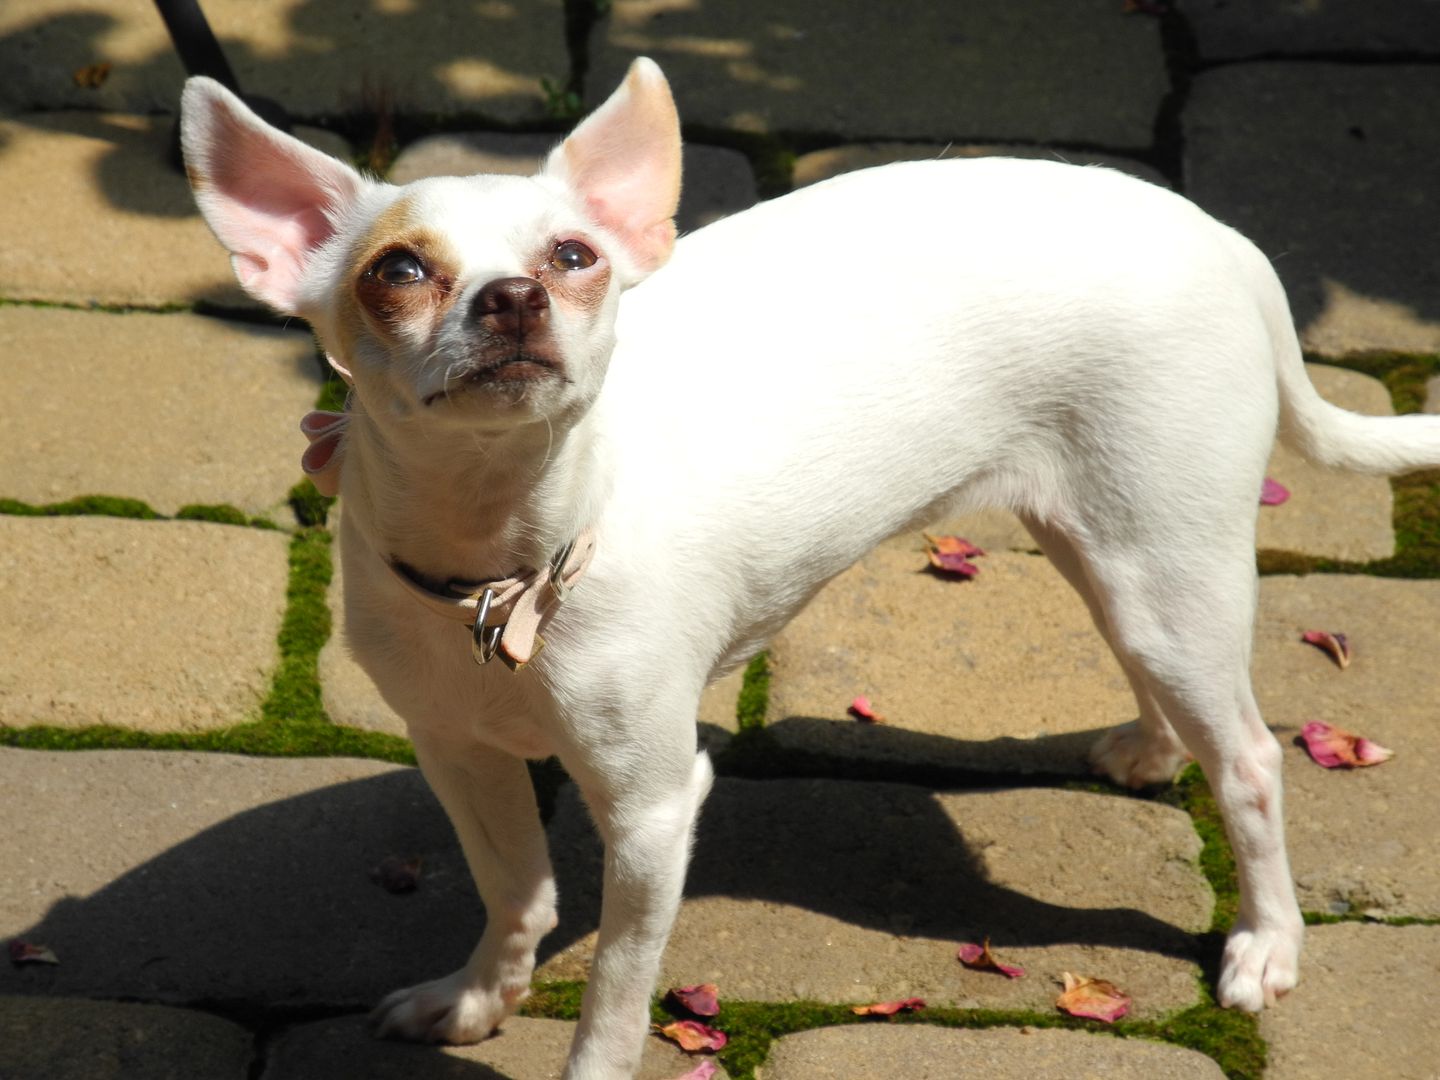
x=513 y=306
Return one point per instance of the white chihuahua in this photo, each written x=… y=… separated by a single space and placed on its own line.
x=696 y=455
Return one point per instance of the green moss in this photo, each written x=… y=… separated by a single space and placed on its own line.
x=1192 y=794
x=558 y=1000
x=84 y=505
x=1404 y=374
x=310 y=507
x=222 y=514
x=754 y=699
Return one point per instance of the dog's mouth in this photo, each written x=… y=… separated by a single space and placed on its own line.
x=510 y=373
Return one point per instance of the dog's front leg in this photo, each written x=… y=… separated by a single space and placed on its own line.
x=491 y=804
x=647 y=831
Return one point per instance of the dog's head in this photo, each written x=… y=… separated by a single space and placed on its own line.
x=484 y=300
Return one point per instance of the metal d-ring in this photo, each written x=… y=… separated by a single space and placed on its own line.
x=557 y=571
x=485 y=640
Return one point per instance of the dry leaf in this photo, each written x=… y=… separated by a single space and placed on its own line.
x=693 y=1035
x=704 y=1071
x=861 y=709
x=92 y=76
x=980 y=958
x=397 y=875
x=25 y=952
x=1336 y=748
x=1273 y=494
x=1336 y=644
x=888 y=1008
x=952 y=555
x=1094 y=999
x=702 y=999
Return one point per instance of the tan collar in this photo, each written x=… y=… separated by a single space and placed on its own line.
x=505 y=615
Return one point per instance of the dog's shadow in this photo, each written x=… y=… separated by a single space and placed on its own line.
x=275 y=909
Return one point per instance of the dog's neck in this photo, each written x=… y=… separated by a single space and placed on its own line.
x=472 y=506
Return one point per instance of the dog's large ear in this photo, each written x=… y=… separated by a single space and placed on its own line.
x=270 y=199
x=624 y=162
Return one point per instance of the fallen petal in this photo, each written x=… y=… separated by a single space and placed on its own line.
x=397 y=875
x=952 y=555
x=1273 y=494
x=25 y=952
x=861 y=709
x=888 y=1008
x=704 y=1071
x=1336 y=748
x=702 y=999
x=1336 y=644
x=1094 y=999
x=981 y=958
x=693 y=1035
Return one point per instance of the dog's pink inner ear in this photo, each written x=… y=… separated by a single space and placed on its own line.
x=624 y=162
x=269 y=198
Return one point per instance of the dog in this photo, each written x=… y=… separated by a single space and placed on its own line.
x=568 y=429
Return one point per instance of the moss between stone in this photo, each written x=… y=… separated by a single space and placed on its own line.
x=134 y=509
x=754 y=696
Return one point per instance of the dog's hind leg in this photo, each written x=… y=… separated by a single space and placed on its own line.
x=1145 y=751
x=491 y=803
x=1183 y=618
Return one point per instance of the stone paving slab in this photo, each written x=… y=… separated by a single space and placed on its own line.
x=1071 y=71
x=525 y=1049
x=178 y=877
x=851 y=892
x=820 y=165
x=170 y=409
x=1364 y=1007
x=1016 y=678
x=71 y=1039
x=1364 y=840
x=1225 y=30
x=717 y=181
x=152 y=626
x=315 y=57
x=919 y=1052
x=1327 y=168
x=1002 y=672
x=94 y=213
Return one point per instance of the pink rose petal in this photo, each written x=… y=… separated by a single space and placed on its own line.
x=25 y=952
x=1273 y=494
x=706 y=1070
x=980 y=958
x=1094 y=999
x=703 y=999
x=861 y=709
x=952 y=555
x=1334 y=643
x=888 y=1008
x=693 y=1035
x=1336 y=748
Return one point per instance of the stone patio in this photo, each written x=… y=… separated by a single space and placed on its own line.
x=215 y=914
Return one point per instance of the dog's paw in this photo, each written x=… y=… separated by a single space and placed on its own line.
x=448 y=1010
x=1259 y=968
x=1133 y=758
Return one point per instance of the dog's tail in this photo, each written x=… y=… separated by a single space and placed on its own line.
x=1329 y=435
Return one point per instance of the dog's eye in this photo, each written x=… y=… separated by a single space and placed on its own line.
x=572 y=255
x=398 y=268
